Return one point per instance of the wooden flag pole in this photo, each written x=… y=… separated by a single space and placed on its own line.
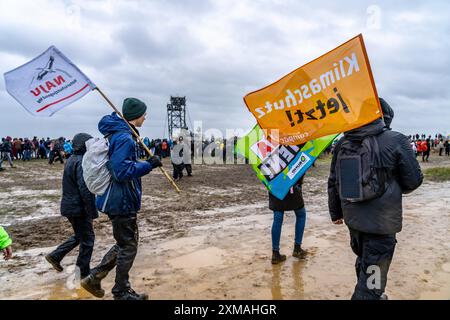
x=139 y=138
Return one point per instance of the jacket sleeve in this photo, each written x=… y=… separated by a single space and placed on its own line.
x=410 y=175
x=87 y=197
x=121 y=161
x=334 y=201
x=5 y=240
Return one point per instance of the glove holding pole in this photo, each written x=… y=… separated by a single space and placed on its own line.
x=154 y=161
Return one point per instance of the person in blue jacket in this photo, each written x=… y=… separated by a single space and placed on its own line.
x=122 y=200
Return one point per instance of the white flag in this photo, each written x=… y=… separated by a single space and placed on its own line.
x=47 y=83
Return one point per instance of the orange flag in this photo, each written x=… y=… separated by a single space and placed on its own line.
x=331 y=94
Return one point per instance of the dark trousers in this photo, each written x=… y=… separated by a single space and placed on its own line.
x=84 y=237
x=375 y=254
x=177 y=170
x=122 y=254
x=188 y=169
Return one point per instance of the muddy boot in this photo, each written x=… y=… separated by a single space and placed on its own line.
x=384 y=297
x=277 y=257
x=130 y=294
x=55 y=264
x=299 y=252
x=93 y=286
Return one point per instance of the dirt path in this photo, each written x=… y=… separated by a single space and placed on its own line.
x=213 y=242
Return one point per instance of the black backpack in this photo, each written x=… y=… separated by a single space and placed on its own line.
x=360 y=175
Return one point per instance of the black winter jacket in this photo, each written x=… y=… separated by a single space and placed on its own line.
x=76 y=200
x=292 y=201
x=382 y=215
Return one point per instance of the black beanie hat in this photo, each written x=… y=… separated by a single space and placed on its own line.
x=133 y=108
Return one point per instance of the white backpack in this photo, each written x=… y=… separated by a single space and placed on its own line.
x=95 y=171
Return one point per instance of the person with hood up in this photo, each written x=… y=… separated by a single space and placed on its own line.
x=78 y=206
x=373 y=221
x=122 y=200
x=5 y=244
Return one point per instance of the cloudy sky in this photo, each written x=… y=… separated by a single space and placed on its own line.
x=214 y=52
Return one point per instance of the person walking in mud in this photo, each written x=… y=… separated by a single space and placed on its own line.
x=371 y=168
x=122 y=200
x=5 y=152
x=78 y=206
x=5 y=244
x=292 y=201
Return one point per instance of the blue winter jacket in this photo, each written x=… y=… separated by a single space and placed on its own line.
x=123 y=197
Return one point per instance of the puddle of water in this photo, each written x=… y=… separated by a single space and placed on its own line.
x=192 y=262
x=446 y=267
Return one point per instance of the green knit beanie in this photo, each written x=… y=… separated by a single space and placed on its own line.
x=133 y=108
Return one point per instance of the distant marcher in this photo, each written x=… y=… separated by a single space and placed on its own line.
x=78 y=206
x=6 y=150
x=440 y=147
x=68 y=149
x=5 y=244
x=414 y=148
x=122 y=201
x=57 y=151
x=27 y=150
x=425 y=150
x=371 y=168
x=292 y=202
x=42 y=150
x=177 y=160
x=447 y=148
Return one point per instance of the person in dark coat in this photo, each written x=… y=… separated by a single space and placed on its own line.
x=78 y=206
x=292 y=202
x=122 y=200
x=373 y=224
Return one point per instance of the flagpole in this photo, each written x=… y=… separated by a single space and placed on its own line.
x=139 y=138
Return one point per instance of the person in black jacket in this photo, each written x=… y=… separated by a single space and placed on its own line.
x=292 y=201
x=78 y=206
x=373 y=224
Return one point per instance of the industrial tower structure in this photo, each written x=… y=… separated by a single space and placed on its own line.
x=176 y=114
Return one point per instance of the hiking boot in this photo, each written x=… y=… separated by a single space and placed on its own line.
x=55 y=264
x=93 y=286
x=130 y=294
x=299 y=252
x=277 y=257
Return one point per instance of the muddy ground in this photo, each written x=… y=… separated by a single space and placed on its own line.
x=213 y=240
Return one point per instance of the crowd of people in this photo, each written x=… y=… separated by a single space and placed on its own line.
x=423 y=144
x=372 y=166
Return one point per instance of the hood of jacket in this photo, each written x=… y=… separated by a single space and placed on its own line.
x=372 y=129
x=111 y=124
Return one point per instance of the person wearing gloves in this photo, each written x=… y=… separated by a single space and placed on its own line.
x=122 y=200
